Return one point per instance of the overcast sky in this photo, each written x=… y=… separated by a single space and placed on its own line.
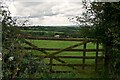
x=46 y=12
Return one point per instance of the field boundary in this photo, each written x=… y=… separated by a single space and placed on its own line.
x=58 y=39
x=52 y=55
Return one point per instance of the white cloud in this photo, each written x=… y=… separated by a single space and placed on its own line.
x=46 y=12
x=58 y=19
x=48 y=0
x=68 y=9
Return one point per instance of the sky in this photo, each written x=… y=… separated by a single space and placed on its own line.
x=46 y=12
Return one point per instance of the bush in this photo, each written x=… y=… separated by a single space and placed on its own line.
x=17 y=63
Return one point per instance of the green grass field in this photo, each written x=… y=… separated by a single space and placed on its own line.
x=87 y=73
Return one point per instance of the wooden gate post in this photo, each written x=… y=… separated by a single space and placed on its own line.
x=84 y=54
x=96 y=58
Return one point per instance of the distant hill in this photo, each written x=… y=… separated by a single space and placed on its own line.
x=63 y=31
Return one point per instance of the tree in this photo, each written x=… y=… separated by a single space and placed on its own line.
x=105 y=19
x=107 y=29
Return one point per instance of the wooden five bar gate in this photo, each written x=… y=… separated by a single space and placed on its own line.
x=52 y=55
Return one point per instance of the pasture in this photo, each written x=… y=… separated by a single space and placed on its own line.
x=64 y=61
x=79 y=72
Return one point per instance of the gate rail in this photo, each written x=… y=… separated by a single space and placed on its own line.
x=70 y=48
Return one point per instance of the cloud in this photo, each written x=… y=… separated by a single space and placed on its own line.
x=68 y=9
x=46 y=12
x=49 y=1
x=33 y=9
x=58 y=19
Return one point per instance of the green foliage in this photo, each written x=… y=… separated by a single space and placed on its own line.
x=11 y=56
x=108 y=24
x=86 y=32
x=106 y=27
x=32 y=68
x=17 y=63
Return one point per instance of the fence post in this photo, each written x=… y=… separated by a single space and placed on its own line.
x=96 y=59
x=84 y=54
